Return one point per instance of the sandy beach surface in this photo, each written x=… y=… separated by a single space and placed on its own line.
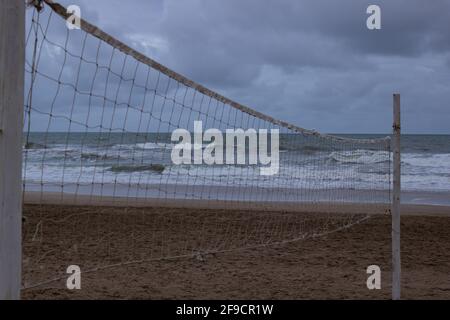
x=331 y=266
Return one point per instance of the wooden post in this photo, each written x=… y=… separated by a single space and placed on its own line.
x=12 y=58
x=396 y=264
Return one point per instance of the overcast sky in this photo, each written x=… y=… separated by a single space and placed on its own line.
x=311 y=62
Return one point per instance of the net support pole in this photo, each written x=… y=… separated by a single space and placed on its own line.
x=12 y=59
x=396 y=264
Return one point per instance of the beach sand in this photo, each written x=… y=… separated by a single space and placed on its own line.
x=326 y=267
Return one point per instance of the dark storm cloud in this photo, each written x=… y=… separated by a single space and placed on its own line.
x=311 y=62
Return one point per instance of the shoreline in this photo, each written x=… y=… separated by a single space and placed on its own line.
x=242 y=193
x=53 y=198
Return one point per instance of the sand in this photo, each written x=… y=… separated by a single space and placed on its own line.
x=325 y=267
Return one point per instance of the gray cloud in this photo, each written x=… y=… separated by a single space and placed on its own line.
x=311 y=62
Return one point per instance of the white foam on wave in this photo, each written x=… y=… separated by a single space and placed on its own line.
x=441 y=161
x=153 y=145
x=360 y=156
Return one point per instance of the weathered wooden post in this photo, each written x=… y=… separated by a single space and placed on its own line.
x=396 y=262
x=12 y=58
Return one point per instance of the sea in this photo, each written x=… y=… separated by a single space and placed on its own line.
x=56 y=159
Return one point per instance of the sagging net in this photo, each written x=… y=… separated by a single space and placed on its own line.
x=101 y=186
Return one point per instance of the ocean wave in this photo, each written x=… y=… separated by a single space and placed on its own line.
x=307 y=149
x=158 y=168
x=194 y=146
x=169 y=146
x=153 y=145
x=97 y=156
x=35 y=145
x=312 y=149
x=61 y=148
x=360 y=156
x=427 y=160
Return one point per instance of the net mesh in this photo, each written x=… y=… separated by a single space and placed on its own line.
x=98 y=148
